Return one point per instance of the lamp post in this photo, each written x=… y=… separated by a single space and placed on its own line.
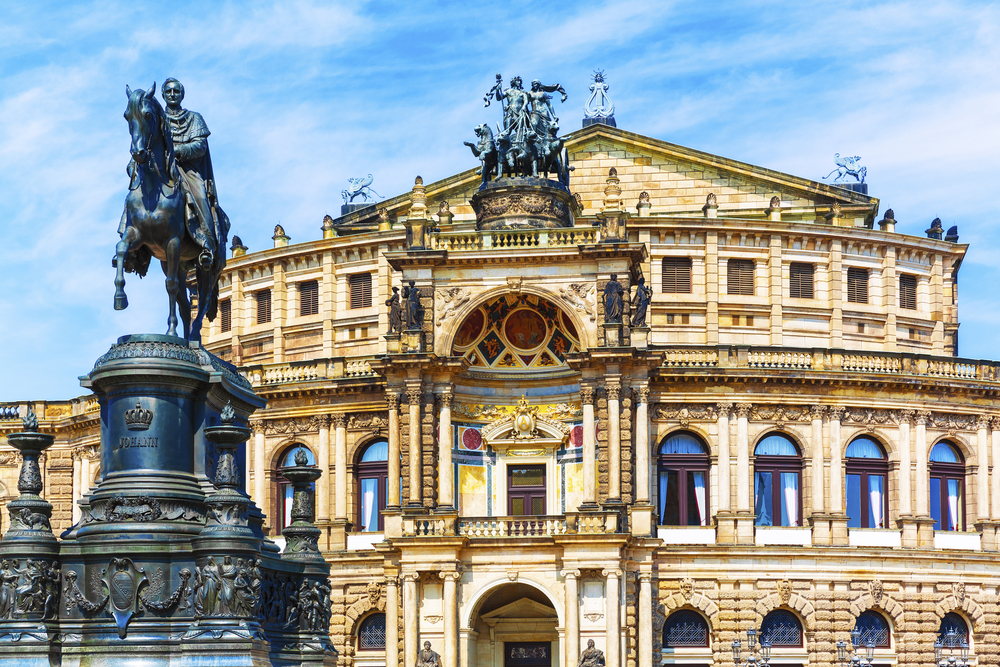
x=951 y=642
x=856 y=659
x=751 y=660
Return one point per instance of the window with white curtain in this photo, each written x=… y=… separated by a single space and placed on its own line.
x=683 y=481
x=777 y=482
x=372 y=486
x=947 y=487
x=867 y=471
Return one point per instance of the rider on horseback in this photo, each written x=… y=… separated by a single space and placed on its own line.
x=206 y=222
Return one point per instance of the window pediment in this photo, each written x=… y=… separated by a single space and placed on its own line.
x=525 y=431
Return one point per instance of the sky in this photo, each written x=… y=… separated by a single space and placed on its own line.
x=300 y=96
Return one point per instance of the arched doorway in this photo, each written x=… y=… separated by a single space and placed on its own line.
x=514 y=625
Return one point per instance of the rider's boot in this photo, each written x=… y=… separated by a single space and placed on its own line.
x=205 y=259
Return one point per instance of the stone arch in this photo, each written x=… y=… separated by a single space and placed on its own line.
x=791 y=433
x=360 y=444
x=364 y=606
x=886 y=605
x=588 y=335
x=796 y=603
x=698 y=602
x=965 y=448
x=966 y=607
x=472 y=607
x=695 y=430
x=885 y=442
x=280 y=449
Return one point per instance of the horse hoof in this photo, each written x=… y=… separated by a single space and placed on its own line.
x=121 y=302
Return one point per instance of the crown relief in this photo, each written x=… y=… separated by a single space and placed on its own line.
x=138 y=418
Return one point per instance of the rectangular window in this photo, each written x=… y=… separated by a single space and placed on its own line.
x=361 y=290
x=226 y=314
x=739 y=277
x=947 y=503
x=800 y=282
x=908 y=292
x=857 y=285
x=263 y=306
x=526 y=490
x=309 y=298
x=676 y=275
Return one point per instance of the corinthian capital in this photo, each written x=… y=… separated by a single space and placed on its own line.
x=446 y=399
x=392 y=400
x=340 y=420
x=742 y=409
x=923 y=416
x=836 y=413
x=324 y=421
x=816 y=411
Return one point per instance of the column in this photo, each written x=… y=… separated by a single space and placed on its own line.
x=86 y=470
x=391 y=622
x=416 y=482
x=446 y=483
x=340 y=463
x=77 y=484
x=612 y=655
x=645 y=619
x=450 y=618
x=613 y=388
x=572 y=618
x=589 y=446
x=816 y=412
x=905 y=468
x=392 y=402
x=923 y=482
x=259 y=495
x=983 y=471
x=725 y=488
x=742 y=457
x=410 y=619
x=995 y=481
x=642 y=447
x=836 y=462
x=323 y=459
x=279 y=297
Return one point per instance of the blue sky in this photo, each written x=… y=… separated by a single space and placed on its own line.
x=302 y=95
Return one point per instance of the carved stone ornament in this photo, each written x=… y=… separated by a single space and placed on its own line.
x=132 y=508
x=687 y=589
x=374 y=591
x=953 y=423
x=877 y=591
x=372 y=421
x=870 y=417
x=779 y=414
x=292 y=426
x=525 y=427
x=684 y=413
x=564 y=411
x=449 y=302
x=582 y=297
x=958 y=590
x=784 y=591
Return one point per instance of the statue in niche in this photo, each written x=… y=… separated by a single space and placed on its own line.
x=429 y=658
x=640 y=303
x=414 y=311
x=613 y=293
x=591 y=656
x=395 y=312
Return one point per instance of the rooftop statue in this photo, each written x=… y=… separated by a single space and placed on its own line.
x=359 y=188
x=171 y=210
x=847 y=166
x=599 y=105
x=527 y=144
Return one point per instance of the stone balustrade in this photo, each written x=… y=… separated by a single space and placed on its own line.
x=264 y=375
x=513 y=239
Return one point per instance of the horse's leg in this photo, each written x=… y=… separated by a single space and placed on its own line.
x=121 y=301
x=205 y=282
x=171 y=267
x=183 y=303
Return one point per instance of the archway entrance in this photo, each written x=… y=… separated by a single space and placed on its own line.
x=515 y=626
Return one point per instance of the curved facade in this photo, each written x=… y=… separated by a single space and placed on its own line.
x=791 y=444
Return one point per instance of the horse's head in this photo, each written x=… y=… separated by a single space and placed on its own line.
x=144 y=116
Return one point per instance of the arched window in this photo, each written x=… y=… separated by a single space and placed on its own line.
x=781 y=628
x=685 y=628
x=867 y=492
x=777 y=482
x=371 y=483
x=872 y=628
x=953 y=629
x=683 y=479
x=947 y=492
x=285 y=489
x=371 y=633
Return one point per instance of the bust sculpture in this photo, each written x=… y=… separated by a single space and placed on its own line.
x=429 y=658
x=591 y=656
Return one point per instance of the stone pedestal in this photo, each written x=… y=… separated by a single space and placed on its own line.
x=988 y=530
x=413 y=341
x=725 y=528
x=745 y=524
x=392 y=343
x=640 y=337
x=641 y=520
x=612 y=334
x=523 y=203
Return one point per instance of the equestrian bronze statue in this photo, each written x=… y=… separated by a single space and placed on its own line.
x=171 y=210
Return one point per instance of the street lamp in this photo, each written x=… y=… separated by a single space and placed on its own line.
x=855 y=658
x=751 y=660
x=951 y=642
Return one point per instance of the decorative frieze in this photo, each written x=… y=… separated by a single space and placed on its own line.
x=373 y=421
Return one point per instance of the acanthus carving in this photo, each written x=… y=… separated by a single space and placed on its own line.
x=392 y=401
x=613 y=390
x=836 y=413
x=582 y=297
x=871 y=418
x=952 y=422
x=742 y=410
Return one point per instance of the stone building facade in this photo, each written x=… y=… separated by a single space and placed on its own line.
x=791 y=443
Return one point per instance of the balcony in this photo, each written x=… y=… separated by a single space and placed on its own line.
x=511 y=527
x=513 y=239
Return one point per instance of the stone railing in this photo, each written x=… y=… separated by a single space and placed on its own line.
x=265 y=375
x=514 y=239
x=505 y=527
x=513 y=526
x=827 y=360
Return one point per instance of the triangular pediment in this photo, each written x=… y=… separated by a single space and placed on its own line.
x=523 y=608
x=677 y=179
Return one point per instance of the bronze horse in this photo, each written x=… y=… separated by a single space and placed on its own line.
x=154 y=221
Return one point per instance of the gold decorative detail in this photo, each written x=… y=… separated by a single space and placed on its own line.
x=564 y=411
x=524 y=421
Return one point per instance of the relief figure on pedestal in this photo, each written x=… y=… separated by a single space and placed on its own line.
x=591 y=656
x=427 y=657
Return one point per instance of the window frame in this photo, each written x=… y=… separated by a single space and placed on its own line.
x=361 y=627
x=798 y=286
x=683 y=464
x=686 y=615
x=779 y=613
x=527 y=492
x=958 y=619
x=943 y=471
x=737 y=279
x=259 y=298
x=908 y=295
x=860 y=278
x=871 y=613
x=225 y=315
x=379 y=471
x=671 y=275
x=308 y=298
x=864 y=467
x=777 y=464
x=358 y=280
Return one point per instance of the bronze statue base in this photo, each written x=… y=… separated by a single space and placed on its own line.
x=524 y=203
